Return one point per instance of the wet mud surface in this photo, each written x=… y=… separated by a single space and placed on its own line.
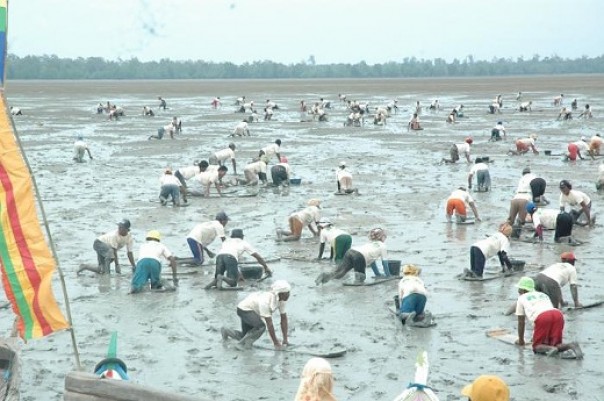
x=172 y=340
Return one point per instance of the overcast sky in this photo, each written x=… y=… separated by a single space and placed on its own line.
x=289 y=31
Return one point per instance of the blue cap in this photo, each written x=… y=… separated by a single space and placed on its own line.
x=531 y=207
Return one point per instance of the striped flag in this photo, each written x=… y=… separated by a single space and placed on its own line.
x=26 y=263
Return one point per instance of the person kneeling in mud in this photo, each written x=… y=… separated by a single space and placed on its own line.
x=256 y=314
x=496 y=244
x=254 y=172
x=483 y=177
x=148 y=267
x=411 y=299
x=309 y=216
x=227 y=260
x=359 y=257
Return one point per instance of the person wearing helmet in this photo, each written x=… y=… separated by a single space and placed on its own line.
x=551 y=219
x=481 y=251
x=106 y=247
x=578 y=202
x=339 y=240
x=309 y=217
x=281 y=172
x=148 y=266
x=497 y=132
x=79 y=147
x=211 y=177
x=256 y=315
x=548 y=322
x=358 y=258
x=578 y=149
x=551 y=280
x=523 y=145
x=458 y=149
x=170 y=188
x=273 y=149
x=227 y=260
x=344 y=180
x=483 y=177
x=221 y=156
x=204 y=234
x=457 y=203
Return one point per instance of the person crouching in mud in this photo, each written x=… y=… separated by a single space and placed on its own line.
x=496 y=244
x=359 y=257
x=256 y=314
x=412 y=297
x=309 y=216
x=148 y=267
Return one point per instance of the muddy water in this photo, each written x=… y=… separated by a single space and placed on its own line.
x=173 y=340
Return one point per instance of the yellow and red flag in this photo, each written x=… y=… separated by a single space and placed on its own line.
x=26 y=263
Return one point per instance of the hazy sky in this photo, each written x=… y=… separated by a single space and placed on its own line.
x=289 y=31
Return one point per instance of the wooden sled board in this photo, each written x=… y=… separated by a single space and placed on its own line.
x=334 y=352
x=490 y=276
x=466 y=222
x=394 y=313
x=505 y=335
x=586 y=305
x=370 y=283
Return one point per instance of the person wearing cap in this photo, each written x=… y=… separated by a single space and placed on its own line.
x=227 y=260
x=106 y=247
x=270 y=150
x=309 y=217
x=551 y=280
x=487 y=388
x=412 y=297
x=204 y=234
x=459 y=149
x=548 y=321
x=483 y=177
x=148 y=266
x=578 y=202
x=281 y=172
x=186 y=173
x=497 y=132
x=316 y=383
x=496 y=244
x=170 y=188
x=254 y=172
x=339 y=240
x=256 y=315
x=457 y=203
x=241 y=129
x=523 y=145
x=578 y=149
x=211 y=176
x=79 y=147
x=344 y=180
x=550 y=219
x=358 y=258
x=221 y=156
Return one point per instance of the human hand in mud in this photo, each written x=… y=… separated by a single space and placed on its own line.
x=210 y=254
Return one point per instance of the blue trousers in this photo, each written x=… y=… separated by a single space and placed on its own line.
x=414 y=303
x=147 y=269
x=196 y=250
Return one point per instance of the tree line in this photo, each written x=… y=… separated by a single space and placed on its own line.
x=53 y=67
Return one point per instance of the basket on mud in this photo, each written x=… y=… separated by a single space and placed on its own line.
x=517 y=264
x=251 y=272
x=395 y=267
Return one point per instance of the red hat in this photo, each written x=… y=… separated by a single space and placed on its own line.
x=568 y=256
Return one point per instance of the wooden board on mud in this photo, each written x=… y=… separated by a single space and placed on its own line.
x=333 y=352
x=504 y=335
x=398 y=317
x=489 y=276
x=586 y=305
x=370 y=283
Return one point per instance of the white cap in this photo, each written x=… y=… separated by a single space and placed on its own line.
x=281 y=286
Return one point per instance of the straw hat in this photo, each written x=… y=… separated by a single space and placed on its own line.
x=411 y=270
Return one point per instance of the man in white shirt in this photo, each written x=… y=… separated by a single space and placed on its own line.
x=256 y=314
x=578 y=149
x=241 y=129
x=551 y=219
x=270 y=150
x=339 y=240
x=483 y=177
x=578 y=202
x=221 y=156
x=227 y=260
x=211 y=176
x=106 y=247
x=309 y=217
x=457 y=203
x=525 y=106
x=169 y=129
x=79 y=147
x=481 y=251
x=148 y=266
x=459 y=149
x=551 y=280
x=254 y=172
x=203 y=234
x=186 y=173
x=548 y=321
x=170 y=188
x=497 y=132
x=523 y=145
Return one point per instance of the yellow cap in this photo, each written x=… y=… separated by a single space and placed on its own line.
x=487 y=388
x=154 y=234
